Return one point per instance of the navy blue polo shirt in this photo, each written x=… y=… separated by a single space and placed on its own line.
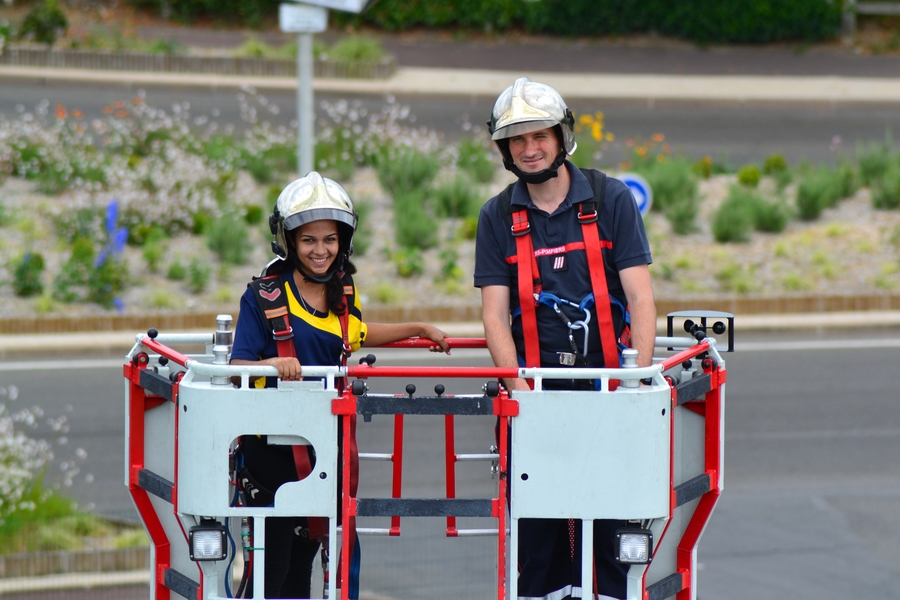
x=562 y=262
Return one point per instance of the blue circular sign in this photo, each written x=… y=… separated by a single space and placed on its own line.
x=640 y=189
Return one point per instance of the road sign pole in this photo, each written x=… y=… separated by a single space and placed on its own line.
x=305 y=106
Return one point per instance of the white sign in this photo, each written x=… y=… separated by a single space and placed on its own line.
x=356 y=6
x=640 y=189
x=300 y=18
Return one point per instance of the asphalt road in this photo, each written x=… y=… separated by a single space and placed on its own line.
x=812 y=477
x=733 y=133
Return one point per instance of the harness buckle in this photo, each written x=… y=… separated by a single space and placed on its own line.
x=519 y=229
x=566 y=358
x=286 y=334
x=590 y=218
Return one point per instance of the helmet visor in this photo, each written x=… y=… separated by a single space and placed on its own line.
x=521 y=128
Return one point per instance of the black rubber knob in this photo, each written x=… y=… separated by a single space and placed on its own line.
x=439 y=389
x=689 y=326
x=358 y=387
x=719 y=328
x=152 y=333
x=492 y=389
x=410 y=389
x=163 y=361
x=686 y=364
x=173 y=376
x=368 y=359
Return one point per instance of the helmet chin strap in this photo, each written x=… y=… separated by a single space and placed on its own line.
x=336 y=266
x=539 y=177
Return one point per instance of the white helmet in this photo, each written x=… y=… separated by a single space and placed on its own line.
x=527 y=106
x=313 y=198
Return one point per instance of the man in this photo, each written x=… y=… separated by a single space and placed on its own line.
x=560 y=255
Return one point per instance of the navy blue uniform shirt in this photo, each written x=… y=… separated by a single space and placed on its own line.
x=563 y=269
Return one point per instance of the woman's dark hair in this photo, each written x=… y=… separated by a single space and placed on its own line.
x=334 y=289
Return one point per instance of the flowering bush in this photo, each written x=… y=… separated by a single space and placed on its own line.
x=591 y=139
x=22 y=458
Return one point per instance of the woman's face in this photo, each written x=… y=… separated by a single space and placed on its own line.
x=317 y=246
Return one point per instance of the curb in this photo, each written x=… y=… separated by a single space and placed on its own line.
x=474 y=83
x=468 y=313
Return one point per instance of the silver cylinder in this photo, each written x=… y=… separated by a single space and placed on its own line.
x=629 y=361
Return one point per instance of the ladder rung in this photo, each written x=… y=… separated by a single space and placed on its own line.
x=375 y=456
x=475 y=532
x=476 y=457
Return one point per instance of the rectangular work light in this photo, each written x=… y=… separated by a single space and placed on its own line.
x=207 y=540
x=635 y=546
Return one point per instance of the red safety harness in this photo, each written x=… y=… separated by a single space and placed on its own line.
x=529 y=276
x=272 y=302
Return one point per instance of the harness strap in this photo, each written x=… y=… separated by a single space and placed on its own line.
x=527 y=268
x=273 y=304
x=529 y=288
x=591 y=234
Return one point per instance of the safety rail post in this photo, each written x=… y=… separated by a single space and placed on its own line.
x=712 y=412
x=504 y=408
x=397 y=467
x=450 y=477
x=138 y=404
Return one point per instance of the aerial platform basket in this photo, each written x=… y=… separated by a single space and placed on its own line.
x=648 y=451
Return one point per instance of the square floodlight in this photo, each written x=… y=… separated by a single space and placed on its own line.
x=635 y=546
x=207 y=540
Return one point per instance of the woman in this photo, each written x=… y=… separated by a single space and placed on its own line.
x=313 y=224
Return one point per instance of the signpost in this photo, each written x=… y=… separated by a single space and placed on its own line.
x=640 y=189
x=305 y=19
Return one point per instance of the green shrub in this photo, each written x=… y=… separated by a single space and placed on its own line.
x=200 y=223
x=749 y=175
x=357 y=49
x=886 y=195
x=27 y=271
x=177 y=271
x=771 y=216
x=86 y=277
x=820 y=189
x=414 y=225
x=873 y=160
x=456 y=198
x=198 y=274
x=406 y=171
x=227 y=238
x=450 y=269
x=734 y=221
x=475 y=160
x=675 y=193
x=153 y=252
x=166 y=46
x=774 y=163
x=468 y=229
x=253 y=214
x=44 y=23
x=409 y=262
x=703 y=168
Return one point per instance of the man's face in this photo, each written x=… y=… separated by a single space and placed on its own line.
x=535 y=151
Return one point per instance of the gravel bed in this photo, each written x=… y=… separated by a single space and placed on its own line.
x=852 y=248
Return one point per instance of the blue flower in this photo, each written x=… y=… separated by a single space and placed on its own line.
x=120 y=306
x=119 y=240
x=112 y=216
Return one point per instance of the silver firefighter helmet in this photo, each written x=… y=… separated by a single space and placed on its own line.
x=313 y=198
x=528 y=106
